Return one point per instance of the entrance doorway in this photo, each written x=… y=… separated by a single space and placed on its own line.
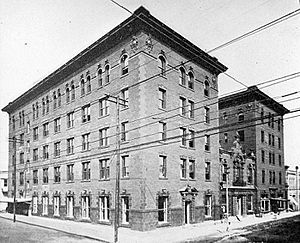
x=239 y=206
x=187 y=212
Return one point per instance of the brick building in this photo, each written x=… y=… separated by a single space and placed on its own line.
x=293 y=181
x=65 y=131
x=256 y=121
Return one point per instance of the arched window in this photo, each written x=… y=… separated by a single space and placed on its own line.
x=58 y=98
x=43 y=107
x=191 y=80
x=241 y=115
x=67 y=93
x=37 y=109
x=88 y=84
x=72 y=90
x=100 y=81
x=206 y=88
x=54 y=100
x=182 y=76
x=107 y=74
x=124 y=64
x=82 y=87
x=162 y=65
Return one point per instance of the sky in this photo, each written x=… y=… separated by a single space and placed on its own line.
x=37 y=37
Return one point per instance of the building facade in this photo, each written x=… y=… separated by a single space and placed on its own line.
x=65 y=131
x=3 y=189
x=293 y=181
x=257 y=121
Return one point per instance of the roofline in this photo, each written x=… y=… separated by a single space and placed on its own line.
x=141 y=16
x=254 y=94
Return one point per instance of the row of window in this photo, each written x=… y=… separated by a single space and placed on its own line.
x=272 y=177
x=271 y=139
x=271 y=119
x=272 y=160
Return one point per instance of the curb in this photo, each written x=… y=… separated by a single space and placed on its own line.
x=55 y=229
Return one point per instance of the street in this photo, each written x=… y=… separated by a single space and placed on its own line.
x=20 y=232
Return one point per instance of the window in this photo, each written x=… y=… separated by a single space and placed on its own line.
x=162 y=166
x=104 y=208
x=249 y=202
x=70 y=119
x=262 y=136
x=21 y=179
x=225 y=117
x=162 y=98
x=273 y=140
x=206 y=88
x=279 y=143
x=183 y=136
x=182 y=76
x=269 y=119
x=272 y=121
x=5 y=182
x=207 y=171
x=207 y=143
x=82 y=88
x=35 y=133
x=124 y=64
x=72 y=90
x=192 y=169
x=263 y=156
x=125 y=166
x=241 y=135
x=21 y=157
x=85 y=207
x=208 y=205
x=28 y=127
x=100 y=80
x=162 y=65
x=34 y=204
x=35 y=154
x=124 y=98
x=191 y=109
x=88 y=84
x=57 y=149
x=85 y=142
x=191 y=81
x=182 y=106
x=45 y=129
x=107 y=71
x=262 y=113
x=57 y=125
x=70 y=145
x=70 y=173
x=163 y=131
x=274 y=178
x=47 y=104
x=103 y=107
x=191 y=139
x=67 y=93
x=56 y=202
x=125 y=209
x=270 y=139
x=57 y=174
x=250 y=175
x=33 y=111
x=104 y=169
x=58 y=98
x=103 y=138
x=207 y=115
x=162 y=206
x=279 y=124
x=183 y=168
x=45 y=176
x=279 y=160
x=123 y=131
x=270 y=158
x=45 y=202
x=70 y=206
x=35 y=177
x=241 y=116
x=86 y=171
x=270 y=177
x=46 y=152
x=13 y=123
x=86 y=113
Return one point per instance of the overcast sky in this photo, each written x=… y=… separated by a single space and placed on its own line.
x=36 y=37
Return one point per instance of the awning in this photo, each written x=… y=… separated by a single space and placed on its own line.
x=11 y=200
x=293 y=200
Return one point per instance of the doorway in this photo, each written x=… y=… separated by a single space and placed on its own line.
x=187 y=212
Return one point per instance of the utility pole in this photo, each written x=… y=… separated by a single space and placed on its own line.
x=14 y=176
x=117 y=191
x=297 y=188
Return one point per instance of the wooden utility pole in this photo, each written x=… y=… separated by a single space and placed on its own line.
x=14 y=176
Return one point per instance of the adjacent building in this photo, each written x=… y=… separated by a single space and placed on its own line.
x=293 y=181
x=3 y=190
x=254 y=122
x=64 y=131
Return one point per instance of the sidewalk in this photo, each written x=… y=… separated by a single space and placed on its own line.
x=104 y=233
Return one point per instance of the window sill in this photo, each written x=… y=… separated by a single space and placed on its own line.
x=183 y=179
x=85 y=220
x=207 y=180
x=69 y=217
x=124 y=75
x=104 y=179
x=58 y=132
x=86 y=122
x=193 y=90
x=105 y=222
x=56 y=157
x=163 y=224
x=124 y=142
x=163 y=76
x=69 y=182
x=183 y=146
x=208 y=217
x=101 y=117
x=69 y=128
x=125 y=178
x=161 y=108
x=125 y=224
x=56 y=182
x=86 y=180
x=124 y=108
x=103 y=147
x=70 y=154
x=192 y=148
x=207 y=151
x=163 y=178
x=56 y=215
x=88 y=150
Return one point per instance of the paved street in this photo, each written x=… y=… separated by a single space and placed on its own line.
x=20 y=232
x=210 y=231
